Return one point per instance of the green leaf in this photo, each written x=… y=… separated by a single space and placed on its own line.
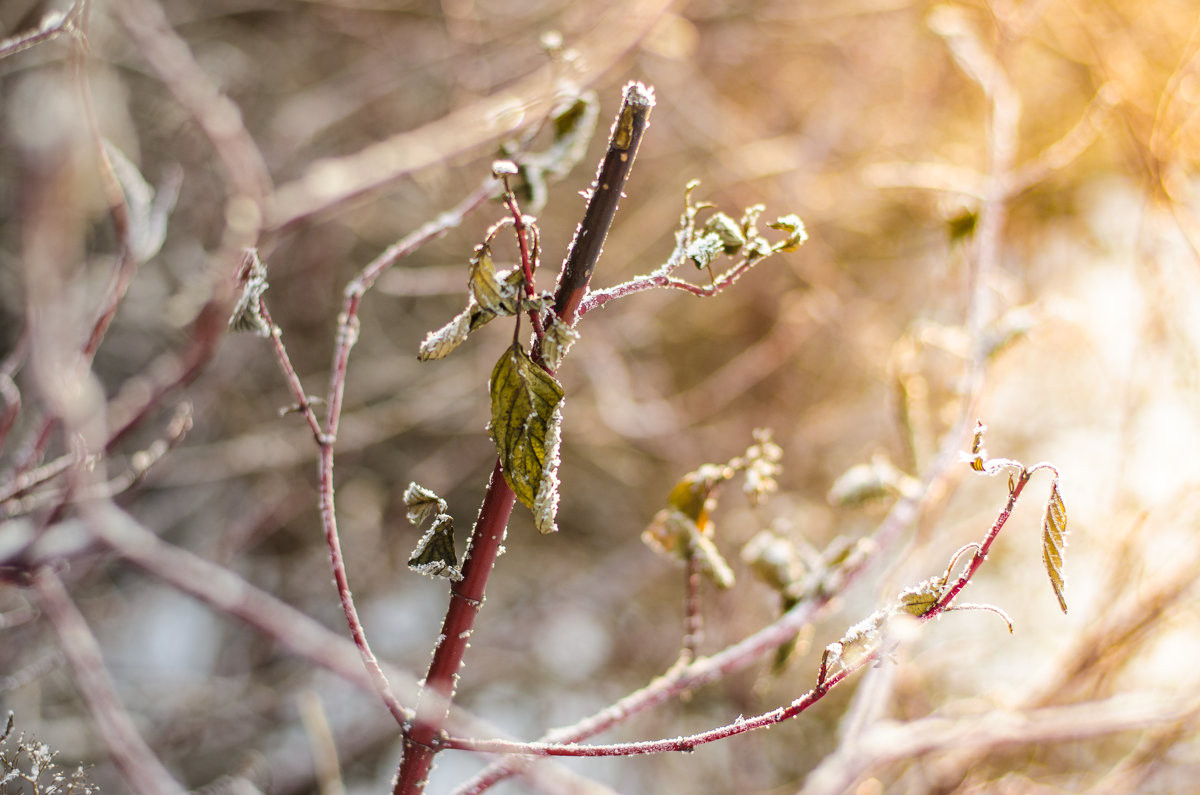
x=524 y=424
x=727 y=231
x=435 y=554
x=1054 y=541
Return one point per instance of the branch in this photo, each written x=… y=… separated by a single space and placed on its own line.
x=142 y=770
x=483 y=548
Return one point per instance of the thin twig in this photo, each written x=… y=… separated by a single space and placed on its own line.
x=53 y=25
x=140 y=767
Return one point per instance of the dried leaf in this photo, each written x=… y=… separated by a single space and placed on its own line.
x=711 y=561
x=524 y=425
x=247 y=313
x=1054 y=541
x=435 y=554
x=438 y=344
x=422 y=503
x=148 y=209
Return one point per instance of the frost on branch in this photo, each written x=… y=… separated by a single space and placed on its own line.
x=1054 y=517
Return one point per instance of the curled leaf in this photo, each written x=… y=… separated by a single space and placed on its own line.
x=683 y=529
x=796 y=233
x=1054 y=541
x=978 y=454
x=497 y=293
x=438 y=344
x=524 y=422
x=435 y=554
x=422 y=503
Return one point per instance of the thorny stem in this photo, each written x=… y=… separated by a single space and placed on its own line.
x=467 y=595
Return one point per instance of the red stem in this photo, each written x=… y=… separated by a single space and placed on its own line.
x=981 y=555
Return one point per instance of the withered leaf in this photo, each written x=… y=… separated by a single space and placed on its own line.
x=435 y=554
x=1054 y=541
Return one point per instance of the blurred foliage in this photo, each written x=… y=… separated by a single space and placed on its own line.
x=856 y=117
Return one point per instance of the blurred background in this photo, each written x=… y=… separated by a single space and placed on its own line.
x=1015 y=171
